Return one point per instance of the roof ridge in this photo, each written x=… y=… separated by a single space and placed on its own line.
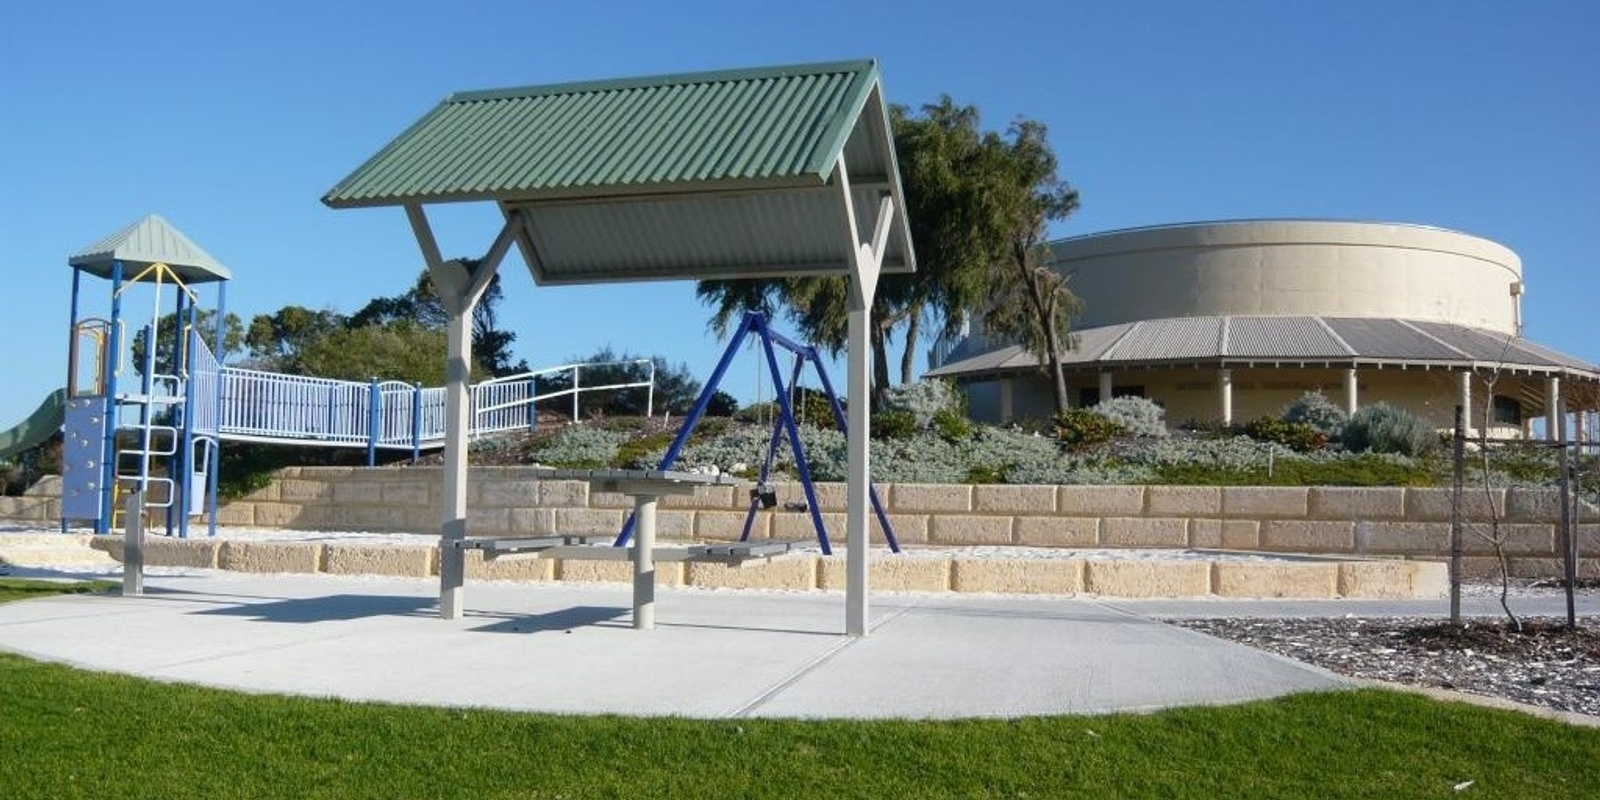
x=1351 y=351
x=1442 y=343
x=866 y=65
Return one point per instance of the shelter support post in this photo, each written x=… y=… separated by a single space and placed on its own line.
x=1352 y=388
x=1553 y=412
x=1225 y=394
x=868 y=262
x=460 y=285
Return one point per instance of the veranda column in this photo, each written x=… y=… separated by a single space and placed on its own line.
x=1105 y=386
x=1553 y=412
x=1006 y=400
x=1351 y=388
x=1225 y=394
x=1464 y=399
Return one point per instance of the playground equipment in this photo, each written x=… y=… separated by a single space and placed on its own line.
x=157 y=430
x=762 y=497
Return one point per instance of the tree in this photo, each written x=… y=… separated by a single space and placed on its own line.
x=206 y=323
x=961 y=190
x=421 y=304
x=1030 y=301
x=276 y=340
x=400 y=351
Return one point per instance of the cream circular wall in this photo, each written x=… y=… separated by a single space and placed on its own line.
x=1292 y=267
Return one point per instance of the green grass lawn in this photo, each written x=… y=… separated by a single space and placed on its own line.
x=69 y=733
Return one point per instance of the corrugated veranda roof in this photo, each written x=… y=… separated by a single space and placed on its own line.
x=704 y=175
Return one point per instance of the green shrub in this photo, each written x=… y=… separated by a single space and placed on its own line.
x=1078 y=428
x=952 y=425
x=894 y=423
x=1316 y=410
x=1138 y=416
x=1382 y=428
x=1300 y=437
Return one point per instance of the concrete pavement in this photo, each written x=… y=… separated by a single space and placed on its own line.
x=568 y=648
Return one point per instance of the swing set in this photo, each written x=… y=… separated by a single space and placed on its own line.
x=784 y=426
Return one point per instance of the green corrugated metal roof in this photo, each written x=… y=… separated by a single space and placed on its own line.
x=729 y=174
x=744 y=127
x=151 y=240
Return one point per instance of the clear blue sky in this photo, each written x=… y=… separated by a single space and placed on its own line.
x=232 y=119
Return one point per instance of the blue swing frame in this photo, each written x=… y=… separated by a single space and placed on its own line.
x=757 y=324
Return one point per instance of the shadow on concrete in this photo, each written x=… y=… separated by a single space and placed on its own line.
x=330 y=608
x=563 y=620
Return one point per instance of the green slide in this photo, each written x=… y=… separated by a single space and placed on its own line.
x=38 y=427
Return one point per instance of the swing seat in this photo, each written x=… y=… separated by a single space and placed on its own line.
x=514 y=545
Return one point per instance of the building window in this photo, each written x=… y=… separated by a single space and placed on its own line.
x=1507 y=411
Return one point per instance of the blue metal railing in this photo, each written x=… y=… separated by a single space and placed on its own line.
x=295 y=409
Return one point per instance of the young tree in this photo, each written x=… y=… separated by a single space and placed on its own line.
x=421 y=305
x=1029 y=300
x=206 y=322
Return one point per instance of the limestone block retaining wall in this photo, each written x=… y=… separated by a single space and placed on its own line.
x=925 y=571
x=1392 y=522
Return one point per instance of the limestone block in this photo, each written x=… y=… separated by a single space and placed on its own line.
x=729 y=525
x=1014 y=499
x=523 y=567
x=797 y=572
x=271 y=492
x=1308 y=536
x=1051 y=531
x=672 y=524
x=1017 y=576
x=48 y=486
x=1516 y=539
x=1100 y=501
x=1385 y=580
x=830 y=496
x=911 y=497
x=1270 y=579
x=586 y=521
x=243 y=556
x=908 y=528
x=573 y=569
x=613 y=500
x=53 y=549
x=1429 y=578
x=238 y=512
x=294 y=490
x=406 y=493
x=1265 y=502
x=1241 y=534
x=1143 y=532
x=531 y=521
x=888 y=572
x=1433 y=505
x=362 y=492
x=1346 y=502
x=716 y=497
x=1533 y=505
x=276 y=515
x=561 y=494
x=500 y=491
x=1403 y=538
x=796 y=526
x=1551 y=568
x=1148 y=578
x=951 y=529
x=1185 y=501
x=378 y=559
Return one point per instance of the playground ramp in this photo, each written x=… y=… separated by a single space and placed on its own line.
x=43 y=423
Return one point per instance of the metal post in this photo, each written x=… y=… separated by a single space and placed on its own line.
x=1569 y=539
x=215 y=462
x=416 y=423
x=859 y=386
x=644 y=563
x=650 y=392
x=1225 y=394
x=1458 y=461
x=576 y=368
x=374 y=421
x=108 y=454
x=133 y=545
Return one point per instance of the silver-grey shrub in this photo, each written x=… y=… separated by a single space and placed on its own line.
x=1139 y=415
x=1383 y=428
x=924 y=400
x=580 y=446
x=1316 y=410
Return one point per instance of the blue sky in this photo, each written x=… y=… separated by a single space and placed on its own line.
x=232 y=119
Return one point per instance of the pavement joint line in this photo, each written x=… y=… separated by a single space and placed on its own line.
x=783 y=684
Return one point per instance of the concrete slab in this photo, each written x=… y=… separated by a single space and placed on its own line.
x=569 y=648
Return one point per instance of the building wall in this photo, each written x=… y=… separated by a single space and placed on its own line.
x=1288 y=267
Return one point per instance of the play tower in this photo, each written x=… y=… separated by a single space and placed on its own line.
x=142 y=407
